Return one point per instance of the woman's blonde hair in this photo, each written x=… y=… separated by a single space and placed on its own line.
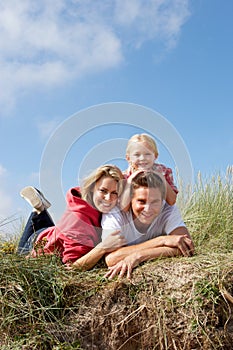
x=89 y=182
x=143 y=138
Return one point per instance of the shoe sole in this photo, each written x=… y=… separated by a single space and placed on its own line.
x=33 y=197
x=45 y=201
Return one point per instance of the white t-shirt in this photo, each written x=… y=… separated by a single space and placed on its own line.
x=168 y=219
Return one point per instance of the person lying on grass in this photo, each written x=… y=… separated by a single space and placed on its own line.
x=76 y=238
x=151 y=227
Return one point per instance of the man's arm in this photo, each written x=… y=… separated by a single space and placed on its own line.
x=176 y=244
x=179 y=239
x=127 y=265
x=114 y=257
x=182 y=230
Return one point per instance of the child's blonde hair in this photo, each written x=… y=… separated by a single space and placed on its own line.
x=143 y=138
x=89 y=182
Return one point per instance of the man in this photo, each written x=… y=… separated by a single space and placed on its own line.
x=151 y=227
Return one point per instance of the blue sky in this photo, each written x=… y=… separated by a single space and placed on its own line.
x=59 y=58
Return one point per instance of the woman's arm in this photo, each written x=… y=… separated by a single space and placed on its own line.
x=114 y=241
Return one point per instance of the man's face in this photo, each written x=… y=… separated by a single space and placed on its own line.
x=146 y=205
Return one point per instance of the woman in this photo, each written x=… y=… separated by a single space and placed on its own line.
x=76 y=237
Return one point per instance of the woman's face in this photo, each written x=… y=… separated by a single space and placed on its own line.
x=105 y=194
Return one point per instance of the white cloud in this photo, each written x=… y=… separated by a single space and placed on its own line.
x=45 y=43
x=161 y=20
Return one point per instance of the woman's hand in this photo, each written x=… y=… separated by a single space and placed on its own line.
x=113 y=241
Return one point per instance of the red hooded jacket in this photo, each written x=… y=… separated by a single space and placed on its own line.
x=75 y=234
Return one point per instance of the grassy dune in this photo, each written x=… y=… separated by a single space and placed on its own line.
x=175 y=303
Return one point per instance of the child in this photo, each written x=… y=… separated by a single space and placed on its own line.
x=141 y=154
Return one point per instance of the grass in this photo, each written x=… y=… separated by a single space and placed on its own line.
x=176 y=303
x=208 y=212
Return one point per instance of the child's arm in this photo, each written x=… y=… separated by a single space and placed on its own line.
x=125 y=200
x=170 y=194
x=171 y=189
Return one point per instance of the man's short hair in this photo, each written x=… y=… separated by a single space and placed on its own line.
x=150 y=179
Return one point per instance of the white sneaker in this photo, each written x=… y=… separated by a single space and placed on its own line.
x=35 y=198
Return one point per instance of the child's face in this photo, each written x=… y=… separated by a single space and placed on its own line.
x=140 y=156
x=105 y=194
x=146 y=205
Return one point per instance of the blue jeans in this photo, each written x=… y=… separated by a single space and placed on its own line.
x=34 y=226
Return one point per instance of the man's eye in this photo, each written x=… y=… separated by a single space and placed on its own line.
x=114 y=193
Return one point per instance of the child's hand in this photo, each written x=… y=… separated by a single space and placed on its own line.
x=135 y=173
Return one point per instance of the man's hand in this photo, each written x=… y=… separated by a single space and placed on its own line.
x=182 y=242
x=168 y=246
x=123 y=267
